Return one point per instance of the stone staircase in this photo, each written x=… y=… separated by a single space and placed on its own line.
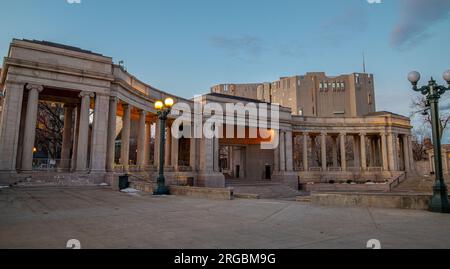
x=263 y=189
x=417 y=184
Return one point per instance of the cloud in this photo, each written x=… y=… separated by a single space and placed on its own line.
x=243 y=47
x=416 y=17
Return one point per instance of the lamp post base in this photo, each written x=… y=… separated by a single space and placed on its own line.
x=161 y=190
x=439 y=202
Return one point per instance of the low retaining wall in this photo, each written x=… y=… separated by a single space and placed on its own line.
x=341 y=177
x=53 y=179
x=209 y=193
x=375 y=200
x=346 y=187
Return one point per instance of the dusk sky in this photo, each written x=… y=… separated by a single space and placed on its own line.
x=184 y=47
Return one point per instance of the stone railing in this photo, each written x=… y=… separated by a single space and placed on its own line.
x=375 y=169
x=315 y=169
x=334 y=169
x=354 y=169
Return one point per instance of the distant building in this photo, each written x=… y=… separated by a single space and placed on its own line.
x=313 y=95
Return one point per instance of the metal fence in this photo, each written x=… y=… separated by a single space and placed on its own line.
x=49 y=165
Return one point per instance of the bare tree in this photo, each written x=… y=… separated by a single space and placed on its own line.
x=50 y=128
x=420 y=108
x=419 y=147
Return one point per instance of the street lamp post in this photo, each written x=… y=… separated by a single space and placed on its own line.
x=433 y=92
x=163 y=110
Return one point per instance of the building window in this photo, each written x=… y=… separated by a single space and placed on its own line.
x=357 y=79
x=369 y=99
x=321 y=85
x=300 y=112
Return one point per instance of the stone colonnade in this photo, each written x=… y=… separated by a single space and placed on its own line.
x=88 y=141
x=373 y=152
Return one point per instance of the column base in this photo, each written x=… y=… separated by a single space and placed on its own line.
x=161 y=190
x=211 y=180
x=8 y=177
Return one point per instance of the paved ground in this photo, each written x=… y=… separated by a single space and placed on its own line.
x=100 y=218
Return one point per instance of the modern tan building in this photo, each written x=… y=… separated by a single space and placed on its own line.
x=313 y=95
x=102 y=103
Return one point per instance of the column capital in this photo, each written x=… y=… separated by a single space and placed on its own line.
x=342 y=134
x=141 y=111
x=89 y=94
x=323 y=133
x=361 y=134
x=36 y=87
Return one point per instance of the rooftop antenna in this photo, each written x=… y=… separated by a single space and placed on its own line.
x=364 y=63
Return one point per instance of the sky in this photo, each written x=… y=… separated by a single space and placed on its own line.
x=185 y=47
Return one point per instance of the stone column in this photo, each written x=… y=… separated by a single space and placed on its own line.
x=141 y=139
x=112 y=126
x=363 y=152
x=23 y=115
x=406 y=153
x=148 y=138
x=334 y=152
x=174 y=151
x=289 y=151
x=156 y=145
x=305 y=152
x=391 y=152
x=276 y=157
x=99 y=146
x=67 y=137
x=207 y=155
x=168 y=145
x=343 y=152
x=29 y=133
x=83 y=132
x=431 y=161
x=282 y=151
x=75 y=138
x=10 y=123
x=193 y=154
x=384 y=152
x=216 y=156
x=323 y=148
x=412 y=164
x=125 y=142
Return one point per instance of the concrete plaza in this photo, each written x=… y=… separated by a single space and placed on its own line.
x=44 y=217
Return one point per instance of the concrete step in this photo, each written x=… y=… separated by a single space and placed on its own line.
x=266 y=191
x=303 y=199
